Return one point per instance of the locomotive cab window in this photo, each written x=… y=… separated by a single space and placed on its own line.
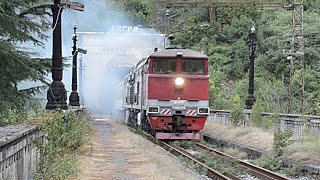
x=193 y=66
x=164 y=65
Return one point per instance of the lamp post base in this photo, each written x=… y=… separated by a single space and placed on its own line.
x=74 y=99
x=250 y=101
x=57 y=96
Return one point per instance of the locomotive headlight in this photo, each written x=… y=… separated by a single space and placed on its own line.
x=179 y=81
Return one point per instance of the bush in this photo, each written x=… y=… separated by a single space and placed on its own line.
x=237 y=115
x=65 y=133
x=256 y=117
x=12 y=116
x=281 y=140
x=270 y=161
x=294 y=170
x=265 y=122
x=273 y=159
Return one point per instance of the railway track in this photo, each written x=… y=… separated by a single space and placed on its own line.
x=253 y=170
x=211 y=173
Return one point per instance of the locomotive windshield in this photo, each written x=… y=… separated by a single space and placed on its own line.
x=193 y=66
x=164 y=65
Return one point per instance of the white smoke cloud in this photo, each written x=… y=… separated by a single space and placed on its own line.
x=111 y=51
x=113 y=45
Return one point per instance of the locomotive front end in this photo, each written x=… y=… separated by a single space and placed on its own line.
x=178 y=91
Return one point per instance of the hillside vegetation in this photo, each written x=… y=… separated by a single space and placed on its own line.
x=226 y=44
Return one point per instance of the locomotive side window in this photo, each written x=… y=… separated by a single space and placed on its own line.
x=164 y=65
x=193 y=66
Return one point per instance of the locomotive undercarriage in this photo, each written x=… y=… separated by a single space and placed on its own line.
x=133 y=120
x=176 y=129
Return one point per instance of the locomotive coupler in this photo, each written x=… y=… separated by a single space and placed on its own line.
x=178 y=121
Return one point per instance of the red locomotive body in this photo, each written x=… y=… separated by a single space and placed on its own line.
x=167 y=93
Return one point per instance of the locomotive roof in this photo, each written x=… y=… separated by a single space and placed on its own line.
x=173 y=52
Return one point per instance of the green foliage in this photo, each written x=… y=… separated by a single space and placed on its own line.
x=237 y=115
x=256 y=116
x=12 y=116
x=273 y=160
x=281 y=140
x=272 y=93
x=21 y=23
x=221 y=164
x=225 y=43
x=218 y=96
x=197 y=167
x=294 y=170
x=137 y=10
x=65 y=133
x=265 y=122
x=240 y=88
x=270 y=161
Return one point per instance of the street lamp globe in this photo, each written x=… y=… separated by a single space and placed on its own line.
x=167 y=14
x=253 y=30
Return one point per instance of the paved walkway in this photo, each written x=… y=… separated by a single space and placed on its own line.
x=117 y=153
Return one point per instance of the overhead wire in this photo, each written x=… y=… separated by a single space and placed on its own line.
x=170 y=30
x=59 y=14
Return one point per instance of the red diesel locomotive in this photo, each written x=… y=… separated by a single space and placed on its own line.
x=167 y=93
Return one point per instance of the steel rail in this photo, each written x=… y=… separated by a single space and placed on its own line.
x=211 y=173
x=252 y=169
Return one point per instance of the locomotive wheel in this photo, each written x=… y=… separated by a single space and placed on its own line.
x=127 y=117
x=132 y=119
x=144 y=121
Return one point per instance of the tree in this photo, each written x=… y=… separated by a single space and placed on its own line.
x=21 y=21
x=225 y=42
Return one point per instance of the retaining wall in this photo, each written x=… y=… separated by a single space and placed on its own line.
x=19 y=156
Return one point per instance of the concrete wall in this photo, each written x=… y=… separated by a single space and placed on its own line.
x=19 y=156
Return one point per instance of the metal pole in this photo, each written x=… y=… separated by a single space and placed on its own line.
x=57 y=94
x=252 y=46
x=74 y=97
x=81 y=79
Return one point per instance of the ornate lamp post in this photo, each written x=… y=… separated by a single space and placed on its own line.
x=252 y=47
x=74 y=97
x=167 y=15
x=57 y=94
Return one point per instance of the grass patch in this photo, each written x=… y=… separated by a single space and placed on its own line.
x=185 y=144
x=294 y=171
x=196 y=167
x=65 y=133
x=248 y=136
x=222 y=164
x=306 y=150
x=143 y=133
x=235 y=153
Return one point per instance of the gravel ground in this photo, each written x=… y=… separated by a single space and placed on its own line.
x=117 y=153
